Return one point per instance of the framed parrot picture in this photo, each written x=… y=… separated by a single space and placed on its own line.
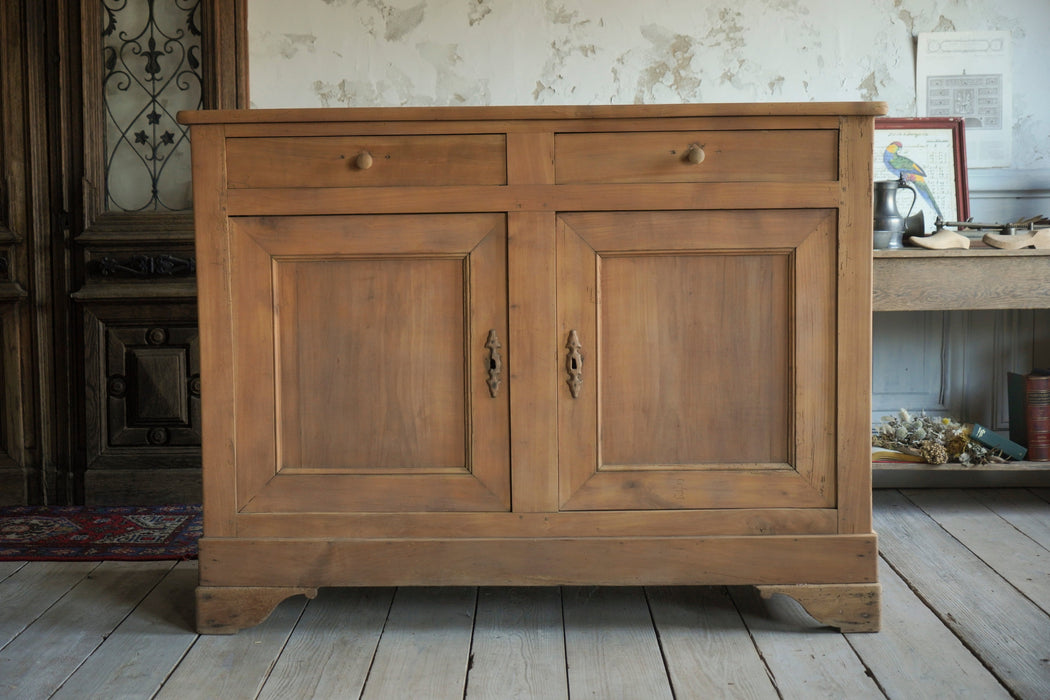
x=930 y=153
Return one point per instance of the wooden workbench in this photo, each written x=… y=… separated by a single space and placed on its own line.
x=916 y=279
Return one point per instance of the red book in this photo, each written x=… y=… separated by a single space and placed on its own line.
x=1029 y=396
x=1037 y=416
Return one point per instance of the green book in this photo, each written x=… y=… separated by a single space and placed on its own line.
x=996 y=441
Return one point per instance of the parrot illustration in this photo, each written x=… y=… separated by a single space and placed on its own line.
x=912 y=173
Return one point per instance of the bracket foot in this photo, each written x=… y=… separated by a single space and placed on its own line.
x=851 y=607
x=228 y=609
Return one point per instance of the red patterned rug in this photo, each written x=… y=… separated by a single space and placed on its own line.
x=81 y=533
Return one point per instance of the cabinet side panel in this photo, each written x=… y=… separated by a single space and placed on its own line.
x=216 y=324
x=854 y=326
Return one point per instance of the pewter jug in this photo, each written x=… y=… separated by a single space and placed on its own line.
x=889 y=225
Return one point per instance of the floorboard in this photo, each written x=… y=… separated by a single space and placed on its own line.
x=805 y=659
x=232 y=667
x=1022 y=509
x=143 y=650
x=707 y=647
x=519 y=645
x=51 y=649
x=915 y=656
x=331 y=649
x=34 y=588
x=611 y=645
x=1009 y=632
x=1014 y=555
x=425 y=647
x=9 y=567
x=965 y=590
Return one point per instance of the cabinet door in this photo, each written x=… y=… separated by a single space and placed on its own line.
x=699 y=359
x=365 y=346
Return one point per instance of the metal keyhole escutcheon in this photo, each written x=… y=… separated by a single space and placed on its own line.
x=574 y=364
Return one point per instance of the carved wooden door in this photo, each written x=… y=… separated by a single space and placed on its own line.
x=22 y=165
x=687 y=336
x=98 y=296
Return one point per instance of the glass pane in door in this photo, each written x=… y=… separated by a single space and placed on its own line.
x=152 y=69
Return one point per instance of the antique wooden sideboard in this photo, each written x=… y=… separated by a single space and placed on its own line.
x=536 y=346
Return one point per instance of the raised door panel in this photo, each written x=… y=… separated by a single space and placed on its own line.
x=700 y=349
x=143 y=387
x=364 y=363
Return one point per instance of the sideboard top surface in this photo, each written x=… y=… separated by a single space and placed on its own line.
x=480 y=113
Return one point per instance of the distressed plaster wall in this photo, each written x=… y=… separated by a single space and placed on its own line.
x=314 y=53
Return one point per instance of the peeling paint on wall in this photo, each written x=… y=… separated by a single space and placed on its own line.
x=401 y=22
x=285 y=46
x=477 y=10
x=558 y=14
x=868 y=88
x=670 y=65
x=726 y=30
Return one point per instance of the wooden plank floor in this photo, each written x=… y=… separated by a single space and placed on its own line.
x=966 y=613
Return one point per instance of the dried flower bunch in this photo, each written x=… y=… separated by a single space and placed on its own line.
x=936 y=440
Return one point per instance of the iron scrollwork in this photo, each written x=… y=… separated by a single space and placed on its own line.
x=147 y=266
x=152 y=70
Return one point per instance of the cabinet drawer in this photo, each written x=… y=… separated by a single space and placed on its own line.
x=724 y=156
x=391 y=161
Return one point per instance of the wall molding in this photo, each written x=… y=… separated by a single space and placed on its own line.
x=1001 y=195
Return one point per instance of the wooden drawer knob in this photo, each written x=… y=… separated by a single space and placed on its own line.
x=695 y=154
x=363 y=160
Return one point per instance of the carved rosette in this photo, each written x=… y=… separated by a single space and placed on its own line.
x=157 y=436
x=156 y=336
x=118 y=386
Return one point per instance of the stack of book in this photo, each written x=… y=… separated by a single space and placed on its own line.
x=1029 y=405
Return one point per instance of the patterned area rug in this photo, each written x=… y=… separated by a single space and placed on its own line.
x=80 y=533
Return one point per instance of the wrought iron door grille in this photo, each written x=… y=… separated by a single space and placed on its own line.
x=151 y=53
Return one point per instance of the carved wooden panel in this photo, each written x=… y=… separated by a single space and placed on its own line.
x=14 y=485
x=10 y=406
x=142 y=380
x=21 y=156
